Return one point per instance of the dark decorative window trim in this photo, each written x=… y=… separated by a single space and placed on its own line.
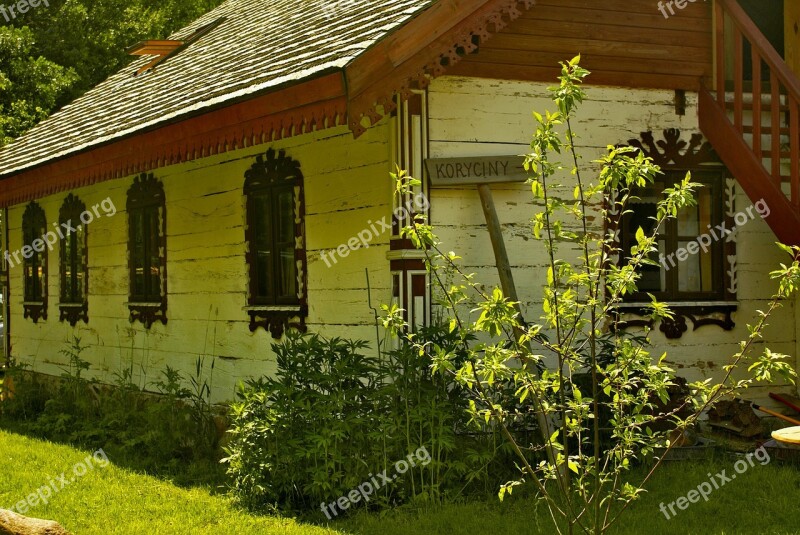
x=34 y=307
x=277 y=319
x=674 y=154
x=700 y=314
x=147 y=191
x=148 y=313
x=269 y=170
x=35 y=310
x=73 y=312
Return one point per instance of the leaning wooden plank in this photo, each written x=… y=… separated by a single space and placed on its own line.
x=790 y=401
x=13 y=524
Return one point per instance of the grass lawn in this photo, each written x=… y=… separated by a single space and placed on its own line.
x=111 y=500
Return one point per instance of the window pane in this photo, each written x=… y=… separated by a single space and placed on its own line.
x=288 y=282
x=644 y=213
x=262 y=222
x=153 y=259
x=286 y=217
x=77 y=265
x=653 y=277
x=137 y=252
x=66 y=269
x=694 y=220
x=694 y=273
x=261 y=226
x=264 y=273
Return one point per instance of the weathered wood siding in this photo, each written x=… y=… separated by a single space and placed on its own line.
x=346 y=184
x=481 y=117
x=624 y=42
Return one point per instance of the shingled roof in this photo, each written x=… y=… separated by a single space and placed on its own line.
x=261 y=45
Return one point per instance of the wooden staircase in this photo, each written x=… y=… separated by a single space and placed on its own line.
x=755 y=125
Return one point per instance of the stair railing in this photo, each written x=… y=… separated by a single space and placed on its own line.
x=783 y=92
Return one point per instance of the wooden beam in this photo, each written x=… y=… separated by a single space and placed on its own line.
x=499 y=246
x=792 y=34
x=154 y=47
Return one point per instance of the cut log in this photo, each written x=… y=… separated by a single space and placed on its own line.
x=13 y=524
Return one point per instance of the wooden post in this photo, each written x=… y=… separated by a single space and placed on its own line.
x=791 y=24
x=498 y=244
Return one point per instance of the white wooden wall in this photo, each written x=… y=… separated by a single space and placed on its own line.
x=346 y=184
x=479 y=117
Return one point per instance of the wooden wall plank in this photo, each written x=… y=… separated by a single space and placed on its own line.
x=623 y=43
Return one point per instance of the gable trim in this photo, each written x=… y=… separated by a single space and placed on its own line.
x=419 y=51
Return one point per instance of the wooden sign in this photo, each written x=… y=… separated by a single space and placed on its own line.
x=481 y=170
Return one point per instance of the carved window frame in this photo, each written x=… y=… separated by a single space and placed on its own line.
x=34 y=227
x=271 y=174
x=675 y=155
x=73 y=306
x=146 y=206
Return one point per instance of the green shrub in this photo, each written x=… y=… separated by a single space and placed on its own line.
x=331 y=417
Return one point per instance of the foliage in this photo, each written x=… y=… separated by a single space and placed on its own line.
x=577 y=472
x=163 y=433
x=53 y=54
x=30 y=85
x=332 y=416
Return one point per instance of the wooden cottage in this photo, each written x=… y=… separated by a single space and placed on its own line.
x=233 y=182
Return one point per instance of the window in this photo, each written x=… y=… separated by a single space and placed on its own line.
x=73 y=304
x=147 y=250
x=34 y=253
x=274 y=239
x=685 y=272
x=696 y=271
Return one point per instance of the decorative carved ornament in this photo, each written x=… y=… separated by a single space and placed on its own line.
x=273 y=169
x=674 y=153
x=700 y=316
x=418 y=71
x=35 y=311
x=148 y=192
x=73 y=312
x=34 y=226
x=148 y=314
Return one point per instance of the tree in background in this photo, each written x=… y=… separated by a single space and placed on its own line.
x=54 y=54
x=29 y=88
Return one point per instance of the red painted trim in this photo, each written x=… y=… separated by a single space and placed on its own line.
x=439 y=37
x=316 y=104
x=736 y=154
x=409 y=58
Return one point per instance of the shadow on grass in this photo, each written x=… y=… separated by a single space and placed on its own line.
x=181 y=469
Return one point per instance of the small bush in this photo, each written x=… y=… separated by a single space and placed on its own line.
x=331 y=417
